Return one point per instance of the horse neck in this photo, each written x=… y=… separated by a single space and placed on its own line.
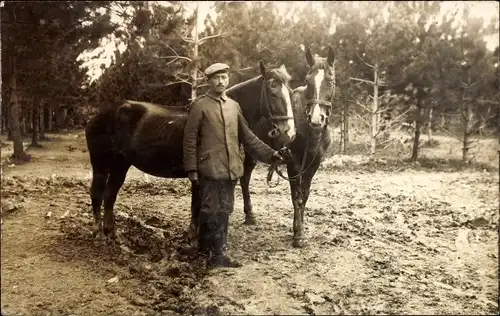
x=244 y=93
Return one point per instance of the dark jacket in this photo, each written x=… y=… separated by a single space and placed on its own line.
x=214 y=131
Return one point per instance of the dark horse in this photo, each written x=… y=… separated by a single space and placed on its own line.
x=149 y=137
x=312 y=105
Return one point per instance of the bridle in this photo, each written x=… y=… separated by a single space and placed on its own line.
x=325 y=103
x=303 y=168
x=264 y=103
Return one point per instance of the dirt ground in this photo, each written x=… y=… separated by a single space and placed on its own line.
x=380 y=242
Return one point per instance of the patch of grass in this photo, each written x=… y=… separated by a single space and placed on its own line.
x=453 y=164
x=423 y=164
x=430 y=144
x=442 y=153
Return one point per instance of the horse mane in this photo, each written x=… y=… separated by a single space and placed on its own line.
x=320 y=62
x=277 y=73
x=249 y=99
x=298 y=104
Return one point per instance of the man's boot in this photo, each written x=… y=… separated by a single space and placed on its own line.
x=224 y=220
x=205 y=232
x=218 y=255
x=202 y=242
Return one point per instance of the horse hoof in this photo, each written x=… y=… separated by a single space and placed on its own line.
x=250 y=220
x=111 y=234
x=97 y=231
x=299 y=243
x=192 y=232
x=118 y=239
x=98 y=236
x=115 y=238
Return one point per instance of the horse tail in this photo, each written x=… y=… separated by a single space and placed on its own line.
x=99 y=134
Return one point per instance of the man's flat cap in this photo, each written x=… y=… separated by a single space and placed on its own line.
x=215 y=68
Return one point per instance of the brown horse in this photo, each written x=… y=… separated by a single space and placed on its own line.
x=312 y=105
x=149 y=137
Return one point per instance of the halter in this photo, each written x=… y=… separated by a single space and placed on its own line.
x=303 y=168
x=328 y=104
x=320 y=102
x=274 y=131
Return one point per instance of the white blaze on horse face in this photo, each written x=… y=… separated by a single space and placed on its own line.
x=318 y=79
x=316 y=110
x=289 y=111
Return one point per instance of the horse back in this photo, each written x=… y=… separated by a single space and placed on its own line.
x=150 y=137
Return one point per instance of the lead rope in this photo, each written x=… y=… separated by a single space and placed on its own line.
x=274 y=167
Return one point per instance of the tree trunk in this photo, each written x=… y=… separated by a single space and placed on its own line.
x=3 y=125
x=35 y=117
x=19 y=155
x=42 y=121
x=467 y=124
x=195 y=62
x=50 y=118
x=9 y=125
x=22 y=116
x=63 y=118
x=374 y=113
x=344 y=128
x=429 y=126
x=418 y=128
x=7 y=118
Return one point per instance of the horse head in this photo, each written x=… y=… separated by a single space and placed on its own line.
x=276 y=104
x=320 y=88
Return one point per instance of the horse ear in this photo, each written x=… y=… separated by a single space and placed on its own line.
x=309 y=57
x=331 y=57
x=262 y=69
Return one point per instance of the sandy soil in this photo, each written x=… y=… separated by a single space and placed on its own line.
x=410 y=242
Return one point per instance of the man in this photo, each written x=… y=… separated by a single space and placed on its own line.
x=213 y=158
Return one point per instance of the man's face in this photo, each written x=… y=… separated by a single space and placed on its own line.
x=219 y=82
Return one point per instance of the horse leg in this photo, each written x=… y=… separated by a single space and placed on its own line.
x=195 y=214
x=307 y=179
x=300 y=194
x=115 y=181
x=249 y=165
x=99 y=178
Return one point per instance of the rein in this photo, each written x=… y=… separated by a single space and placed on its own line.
x=297 y=177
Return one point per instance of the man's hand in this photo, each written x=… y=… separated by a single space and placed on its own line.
x=193 y=176
x=277 y=157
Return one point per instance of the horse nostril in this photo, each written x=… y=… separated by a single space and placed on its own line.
x=273 y=133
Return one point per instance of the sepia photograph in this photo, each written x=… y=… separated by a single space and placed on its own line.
x=249 y=158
